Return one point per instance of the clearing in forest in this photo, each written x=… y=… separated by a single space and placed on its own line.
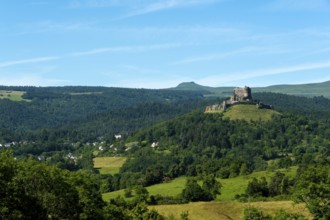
x=108 y=165
x=12 y=95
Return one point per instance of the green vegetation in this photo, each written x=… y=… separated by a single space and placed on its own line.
x=108 y=165
x=308 y=90
x=86 y=113
x=12 y=95
x=312 y=188
x=86 y=93
x=228 y=210
x=230 y=187
x=32 y=190
x=161 y=148
x=249 y=113
x=237 y=185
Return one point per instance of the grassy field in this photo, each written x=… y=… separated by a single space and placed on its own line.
x=173 y=188
x=12 y=95
x=86 y=93
x=249 y=113
x=237 y=185
x=108 y=165
x=225 y=210
x=230 y=187
x=224 y=207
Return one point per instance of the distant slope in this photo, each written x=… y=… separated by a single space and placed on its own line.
x=208 y=91
x=90 y=112
x=308 y=90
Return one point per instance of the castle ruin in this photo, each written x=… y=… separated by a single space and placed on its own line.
x=240 y=95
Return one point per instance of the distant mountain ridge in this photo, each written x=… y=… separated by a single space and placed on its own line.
x=307 y=90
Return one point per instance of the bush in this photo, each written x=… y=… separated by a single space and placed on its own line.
x=253 y=213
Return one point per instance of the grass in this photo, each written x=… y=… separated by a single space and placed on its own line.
x=12 y=95
x=225 y=210
x=230 y=187
x=237 y=185
x=224 y=207
x=108 y=165
x=249 y=113
x=86 y=93
x=173 y=188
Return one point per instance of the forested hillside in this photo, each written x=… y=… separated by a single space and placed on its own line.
x=162 y=135
x=113 y=109
x=203 y=144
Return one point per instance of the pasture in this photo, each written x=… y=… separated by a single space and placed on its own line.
x=230 y=187
x=108 y=165
x=12 y=95
x=249 y=113
x=226 y=210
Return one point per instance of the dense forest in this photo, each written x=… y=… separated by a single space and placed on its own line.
x=199 y=144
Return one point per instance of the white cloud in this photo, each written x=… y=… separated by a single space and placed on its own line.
x=126 y=49
x=307 y=5
x=30 y=80
x=95 y=3
x=28 y=61
x=139 y=7
x=137 y=69
x=160 y=5
x=217 y=56
x=150 y=83
x=89 y=53
x=232 y=77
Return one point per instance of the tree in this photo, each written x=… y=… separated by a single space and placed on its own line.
x=141 y=194
x=211 y=186
x=276 y=184
x=313 y=188
x=257 y=188
x=193 y=191
x=252 y=213
x=33 y=190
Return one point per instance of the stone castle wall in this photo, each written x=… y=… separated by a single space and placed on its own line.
x=242 y=94
x=239 y=95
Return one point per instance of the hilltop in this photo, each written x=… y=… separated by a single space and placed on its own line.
x=249 y=113
x=241 y=106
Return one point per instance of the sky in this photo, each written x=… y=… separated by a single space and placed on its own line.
x=161 y=43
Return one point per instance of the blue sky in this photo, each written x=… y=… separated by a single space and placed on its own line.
x=161 y=43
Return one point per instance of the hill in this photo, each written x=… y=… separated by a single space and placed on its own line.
x=307 y=90
x=90 y=111
x=167 y=135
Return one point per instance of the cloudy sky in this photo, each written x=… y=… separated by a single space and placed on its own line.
x=161 y=43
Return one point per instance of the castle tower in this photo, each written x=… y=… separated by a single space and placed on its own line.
x=242 y=94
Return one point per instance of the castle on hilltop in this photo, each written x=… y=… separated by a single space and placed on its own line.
x=240 y=96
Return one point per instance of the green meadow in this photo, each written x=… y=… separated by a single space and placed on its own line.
x=108 y=165
x=12 y=95
x=249 y=113
x=230 y=187
x=227 y=210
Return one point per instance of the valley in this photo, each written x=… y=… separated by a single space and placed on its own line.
x=159 y=151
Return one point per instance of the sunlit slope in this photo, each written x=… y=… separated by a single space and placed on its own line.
x=248 y=113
